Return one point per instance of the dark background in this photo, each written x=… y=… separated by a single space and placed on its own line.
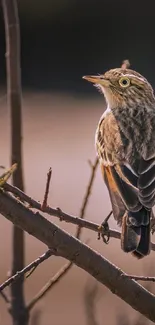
x=65 y=39
x=62 y=40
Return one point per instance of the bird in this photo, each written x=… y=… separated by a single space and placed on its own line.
x=125 y=145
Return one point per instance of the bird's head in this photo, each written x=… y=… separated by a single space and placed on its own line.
x=123 y=87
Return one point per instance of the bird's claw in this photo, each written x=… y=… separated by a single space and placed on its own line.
x=104 y=232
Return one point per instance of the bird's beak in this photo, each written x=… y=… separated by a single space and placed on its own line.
x=97 y=80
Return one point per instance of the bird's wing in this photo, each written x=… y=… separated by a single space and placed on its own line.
x=120 y=181
x=146 y=182
x=129 y=187
x=142 y=178
x=118 y=206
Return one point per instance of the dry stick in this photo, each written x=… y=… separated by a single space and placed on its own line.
x=62 y=272
x=67 y=246
x=7 y=300
x=49 y=174
x=50 y=284
x=58 y=212
x=26 y=269
x=44 y=205
x=32 y=266
x=90 y=299
x=139 y=277
x=62 y=215
x=12 y=35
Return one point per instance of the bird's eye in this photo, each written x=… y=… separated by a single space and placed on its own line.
x=124 y=82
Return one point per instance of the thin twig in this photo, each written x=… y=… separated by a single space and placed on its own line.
x=38 y=261
x=26 y=269
x=4 y=296
x=90 y=299
x=53 y=281
x=139 y=277
x=63 y=271
x=44 y=205
x=89 y=187
x=67 y=246
x=49 y=174
x=57 y=212
x=87 y=196
x=62 y=215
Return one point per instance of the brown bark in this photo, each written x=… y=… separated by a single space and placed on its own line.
x=10 y=12
x=67 y=246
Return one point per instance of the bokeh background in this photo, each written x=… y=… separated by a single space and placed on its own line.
x=62 y=40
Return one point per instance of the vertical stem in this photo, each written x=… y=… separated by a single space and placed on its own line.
x=12 y=34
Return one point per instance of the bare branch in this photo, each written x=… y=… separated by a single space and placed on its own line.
x=65 y=245
x=62 y=215
x=89 y=187
x=90 y=297
x=4 y=296
x=12 y=36
x=63 y=271
x=52 y=282
x=140 y=277
x=49 y=174
x=26 y=269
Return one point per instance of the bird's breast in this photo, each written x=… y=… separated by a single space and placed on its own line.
x=108 y=140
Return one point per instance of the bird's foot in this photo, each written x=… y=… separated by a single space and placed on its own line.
x=104 y=230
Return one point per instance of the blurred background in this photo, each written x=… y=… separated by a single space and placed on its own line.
x=62 y=40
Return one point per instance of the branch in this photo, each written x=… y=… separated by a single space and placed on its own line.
x=50 y=284
x=66 y=246
x=90 y=298
x=62 y=215
x=12 y=36
x=89 y=187
x=63 y=271
x=140 y=277
x=49 y=174
x=4 y=296
x=26 y=269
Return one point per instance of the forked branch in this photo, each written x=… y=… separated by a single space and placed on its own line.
x=67 y=246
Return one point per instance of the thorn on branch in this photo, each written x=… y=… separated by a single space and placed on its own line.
x=44 y=204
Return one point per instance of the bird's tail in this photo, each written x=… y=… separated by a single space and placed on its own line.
x=135 y=235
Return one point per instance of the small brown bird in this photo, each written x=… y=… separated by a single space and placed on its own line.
x=125 y=143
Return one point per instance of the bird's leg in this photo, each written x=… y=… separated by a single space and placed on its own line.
x=104 y=230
